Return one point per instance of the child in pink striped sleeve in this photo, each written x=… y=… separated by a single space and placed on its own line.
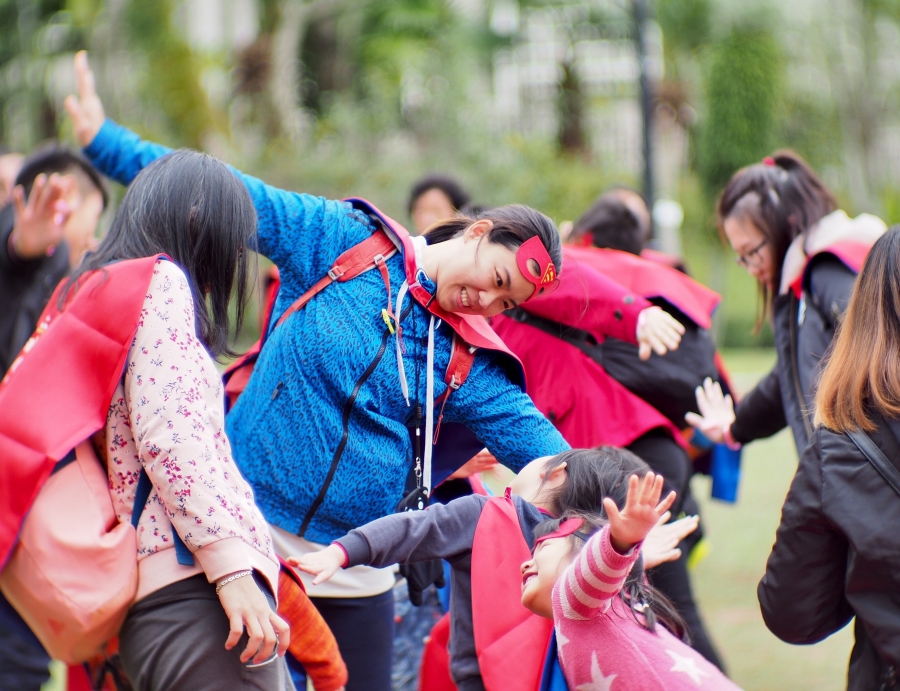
x=614 y=632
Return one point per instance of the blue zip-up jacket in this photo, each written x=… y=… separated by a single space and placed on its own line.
x=296 y=415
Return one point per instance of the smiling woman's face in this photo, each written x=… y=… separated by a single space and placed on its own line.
x=476 y=276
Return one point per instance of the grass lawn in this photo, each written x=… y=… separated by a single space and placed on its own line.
x=740 y=537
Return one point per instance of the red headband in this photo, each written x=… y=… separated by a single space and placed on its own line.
x=567 y=527
x=547 y=281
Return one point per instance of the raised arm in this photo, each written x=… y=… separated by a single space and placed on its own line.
x=296 y=231
x=597 y=575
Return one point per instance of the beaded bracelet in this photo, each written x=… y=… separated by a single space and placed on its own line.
x=232 y=577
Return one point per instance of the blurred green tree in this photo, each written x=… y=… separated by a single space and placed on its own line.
x=743 y=78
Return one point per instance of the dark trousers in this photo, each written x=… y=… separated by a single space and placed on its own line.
x=665 y=456
x=24 y=664
x=174 y=640
x=364 y=629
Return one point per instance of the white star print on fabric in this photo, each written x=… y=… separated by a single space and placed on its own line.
x=688 y=666
x=560 y=640
x=598 y=681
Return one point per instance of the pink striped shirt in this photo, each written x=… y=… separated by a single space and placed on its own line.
x=602 y=647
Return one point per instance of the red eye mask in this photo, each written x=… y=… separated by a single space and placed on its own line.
x=548 y=281
x=569 y=526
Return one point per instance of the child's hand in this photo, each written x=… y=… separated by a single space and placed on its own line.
x=323 y=565
x=661 y=543
x=642 y=511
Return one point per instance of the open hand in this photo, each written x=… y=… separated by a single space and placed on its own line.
x=716 y=411
x=641 y=513
x=40 y=223
x=247 y=607
x=657 y=332
x=86 y=109
x=323 y=565
x=661 y=543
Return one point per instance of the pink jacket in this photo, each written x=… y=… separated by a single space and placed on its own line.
x=602 y=645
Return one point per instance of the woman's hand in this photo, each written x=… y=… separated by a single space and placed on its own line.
x=323 y=564
x=86 y=109
x=661 y=543
x=481 y=462
x=716 y=411
x=247 y=607
x=40 y=223
x=657 y=332
x=641 y=513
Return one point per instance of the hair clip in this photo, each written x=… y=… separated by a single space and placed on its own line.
x=769 y=161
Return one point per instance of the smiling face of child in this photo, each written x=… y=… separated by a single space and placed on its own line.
x=540 y=573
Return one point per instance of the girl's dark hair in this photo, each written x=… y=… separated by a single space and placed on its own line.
x=191 y=207
x=863 y=370
x=783 y=198
x=640 y=597
x=611 y=223
x=451 y=189
x=591 y=475
x=513 y=225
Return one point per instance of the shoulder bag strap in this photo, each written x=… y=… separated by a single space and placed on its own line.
x=141 y=495
x=368 y=254
x=876 y=457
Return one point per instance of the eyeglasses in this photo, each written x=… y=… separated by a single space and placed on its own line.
x=751 y=258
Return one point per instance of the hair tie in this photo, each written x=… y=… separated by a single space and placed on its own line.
x=769 y=161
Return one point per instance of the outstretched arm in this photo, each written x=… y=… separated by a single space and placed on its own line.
x=443 y=531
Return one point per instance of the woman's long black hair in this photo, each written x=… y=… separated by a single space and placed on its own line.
x=191 y=207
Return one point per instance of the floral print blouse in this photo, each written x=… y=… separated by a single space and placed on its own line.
x=167 y=415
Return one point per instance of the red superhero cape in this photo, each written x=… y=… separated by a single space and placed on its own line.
x=650 y=279
x=852 y=254
x=509 y=639
x=57 y=391
x=583 y=401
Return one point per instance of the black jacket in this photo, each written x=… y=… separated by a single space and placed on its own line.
x=803 y=331
x=837 y=554
x=25 y=288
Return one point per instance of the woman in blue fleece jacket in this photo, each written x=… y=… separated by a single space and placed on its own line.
x=321 y=431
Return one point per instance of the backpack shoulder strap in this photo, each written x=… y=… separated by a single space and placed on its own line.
x=368 y=254
x=141 y=495
x=876 y=457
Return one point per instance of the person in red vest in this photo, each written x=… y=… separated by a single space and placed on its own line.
x=125 y=350
x=787 y=231
x=322 y=428
x=494 y=644
x=597 y=390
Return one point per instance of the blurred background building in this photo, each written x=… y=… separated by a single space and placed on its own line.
x=536 y=101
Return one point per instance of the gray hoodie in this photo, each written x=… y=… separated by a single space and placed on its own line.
x=442 y=531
